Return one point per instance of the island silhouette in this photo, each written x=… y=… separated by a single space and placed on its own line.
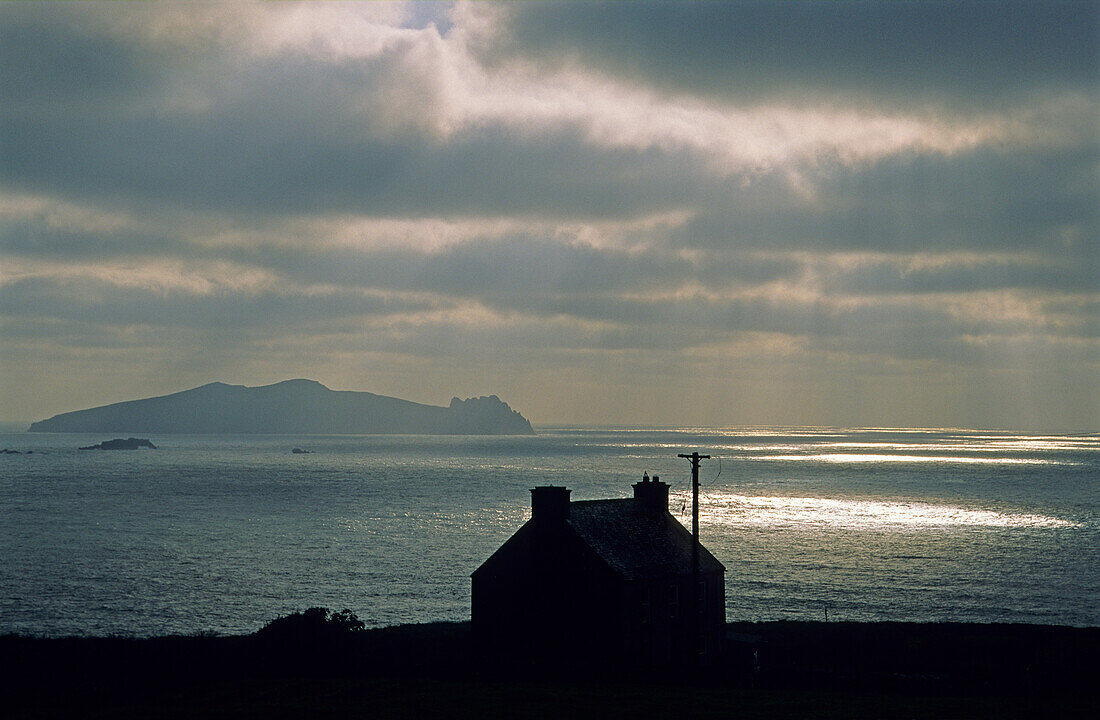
x=290 y=407
x=122 y=444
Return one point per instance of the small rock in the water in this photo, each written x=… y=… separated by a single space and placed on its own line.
x=121 y=444
x=300 y=451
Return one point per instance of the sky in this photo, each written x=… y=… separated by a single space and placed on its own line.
x=774 y=213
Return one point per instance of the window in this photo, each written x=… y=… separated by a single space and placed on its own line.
x=673 y=602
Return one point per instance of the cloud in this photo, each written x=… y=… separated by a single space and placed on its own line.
x=43 y=64
x=764 y=199
x=958 y=54
x=990 y=198
x=271 y=156
x=101 y=302
x=954 y=274
x=405 y=122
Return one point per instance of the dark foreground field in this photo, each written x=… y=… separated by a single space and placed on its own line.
x=834 y=670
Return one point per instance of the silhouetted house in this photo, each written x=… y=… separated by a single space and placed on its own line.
x=599 y=582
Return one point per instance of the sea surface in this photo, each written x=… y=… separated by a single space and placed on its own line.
x=220 y=534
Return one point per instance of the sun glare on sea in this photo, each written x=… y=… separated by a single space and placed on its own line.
x=748 y=511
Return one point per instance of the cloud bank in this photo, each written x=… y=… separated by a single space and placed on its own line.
x=705 y=213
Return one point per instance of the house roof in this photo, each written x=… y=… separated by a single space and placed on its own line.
x=636 y=543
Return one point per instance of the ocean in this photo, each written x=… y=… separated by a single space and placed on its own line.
x=220 y=534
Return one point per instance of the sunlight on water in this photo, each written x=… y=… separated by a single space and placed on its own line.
x=990 y=446
x=675 y=447
x=746 y=510
x=765 y=443
x=876 y=458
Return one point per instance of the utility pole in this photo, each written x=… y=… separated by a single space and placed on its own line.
x=695 y=457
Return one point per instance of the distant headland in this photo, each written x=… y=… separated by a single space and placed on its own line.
x=290 y=407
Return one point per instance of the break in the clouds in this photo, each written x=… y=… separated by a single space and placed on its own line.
x=752 y=213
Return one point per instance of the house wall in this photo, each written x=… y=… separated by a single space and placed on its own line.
x=665 y=616
x=548 y=599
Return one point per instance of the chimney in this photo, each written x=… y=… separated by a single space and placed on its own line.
x=651 y=495
x=549 y=504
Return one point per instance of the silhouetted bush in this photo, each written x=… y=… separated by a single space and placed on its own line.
x=316 y=623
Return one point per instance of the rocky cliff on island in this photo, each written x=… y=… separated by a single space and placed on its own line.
x=291 y=407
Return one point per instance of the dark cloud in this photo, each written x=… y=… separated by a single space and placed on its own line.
x=292 y=135
x=962 y=53
x=517 y=270
x=99 y=302
x=1077 y=317
x=985 y=199
x=43 y=239
x=258 y=163
x=44 y=63
x=1072 y=274
x=533 y=271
